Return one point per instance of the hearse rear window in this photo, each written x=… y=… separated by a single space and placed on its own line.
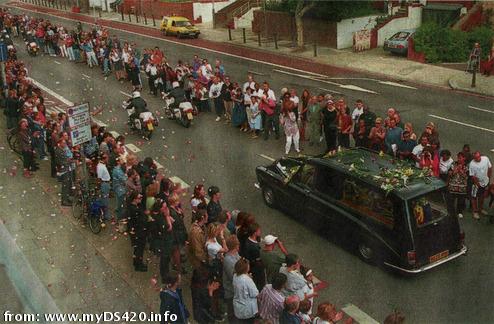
x=401 y=36
x=428 y=209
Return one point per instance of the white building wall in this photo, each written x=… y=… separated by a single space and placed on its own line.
x=205 y=9
x=413 y=21
x=246 y=20
x=347 y=27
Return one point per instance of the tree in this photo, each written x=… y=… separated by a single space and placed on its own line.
x=300 y=10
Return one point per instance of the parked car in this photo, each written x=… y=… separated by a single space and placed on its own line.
x=347 y=197
x=398 y=43
x=179 y=26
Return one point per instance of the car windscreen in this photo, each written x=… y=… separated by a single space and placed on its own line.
x=183 y=24
x=429 y=208
x=401 y=36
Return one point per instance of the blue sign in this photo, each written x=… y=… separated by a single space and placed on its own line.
x=3 y=52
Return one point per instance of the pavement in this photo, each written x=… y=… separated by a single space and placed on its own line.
x=376 y=62
x=217 y=154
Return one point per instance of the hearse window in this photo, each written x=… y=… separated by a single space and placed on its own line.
x=428 y=209
x=305 y=175
x=328 y=182
x=368 y=202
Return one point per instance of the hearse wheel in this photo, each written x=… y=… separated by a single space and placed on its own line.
x=268 y=195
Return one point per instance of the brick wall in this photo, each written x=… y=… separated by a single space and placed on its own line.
x=269 y=23
x=159 y=9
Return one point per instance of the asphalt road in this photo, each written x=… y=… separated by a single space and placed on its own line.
x=214 y=153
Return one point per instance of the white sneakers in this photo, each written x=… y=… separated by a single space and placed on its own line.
x=476 y=216
x=460 y=215
x=218 y=119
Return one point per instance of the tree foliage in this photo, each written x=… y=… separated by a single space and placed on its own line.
x=326 y=10
x=442 y=44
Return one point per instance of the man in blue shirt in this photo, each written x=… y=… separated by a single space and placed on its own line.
x=405 y=147
x=393 y=137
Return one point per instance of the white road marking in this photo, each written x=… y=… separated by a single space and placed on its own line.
x=322 y=79
x=49 y=102
x=462 y=123
x=480 y=109
x=256 y=73
x=98 y=122
x=57 y=62
x=52 y=93
x=358 y=315
x=85 y=75
x=356 y=88
x=395 y=84
x=132 y=148
x=333 y=91
x=267 y=157
x=158 y=165
x=182 y=183
x=59 y=109
x=126 y=94
x=114 y=134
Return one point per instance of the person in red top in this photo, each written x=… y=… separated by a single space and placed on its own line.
x=268 y=106
x=344 y=126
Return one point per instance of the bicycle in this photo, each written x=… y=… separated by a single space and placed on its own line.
x=86 y=205
x=13 y=141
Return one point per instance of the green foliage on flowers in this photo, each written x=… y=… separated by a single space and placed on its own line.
x=442 y=44
x=396 y=174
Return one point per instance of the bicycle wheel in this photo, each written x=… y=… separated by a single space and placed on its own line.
x=95 y=222
x=14 y=143
x=78 y=207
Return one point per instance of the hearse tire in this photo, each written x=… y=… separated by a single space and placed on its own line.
x=268 y=196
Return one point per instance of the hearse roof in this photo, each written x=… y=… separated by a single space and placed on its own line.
x=381 y=171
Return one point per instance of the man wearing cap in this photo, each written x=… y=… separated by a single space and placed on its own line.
x=214 y=206
x=272 y=259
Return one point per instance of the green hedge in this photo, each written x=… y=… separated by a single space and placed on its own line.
x=442 y=44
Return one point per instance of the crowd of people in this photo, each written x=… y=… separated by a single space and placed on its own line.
x=235 y=274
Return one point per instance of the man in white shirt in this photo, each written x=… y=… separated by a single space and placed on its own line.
x=480 y=169
x=215 y=94
x=295 y=99
x=152 y=72
x=250 y=83
x=266 y=91
x=104 y=180
x=359 y=110
x=417 y=150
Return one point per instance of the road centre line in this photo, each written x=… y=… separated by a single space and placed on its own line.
x=334 y=91
x=256 y=73
x=132 y=148
x=85 y=75
x=52 y=93
x=358 y=315
x=344 y=86
x=98 y=122
x=267 y=157
x=57 y=62
x=480 y=109
x=462 y=123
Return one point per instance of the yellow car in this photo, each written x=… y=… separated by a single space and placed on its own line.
x=179 y=26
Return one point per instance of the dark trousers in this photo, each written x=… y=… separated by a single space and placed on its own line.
x=270 y=122
x=53 y=163
x=219 y=106
x=164 y=265
x=458 y=202
x=330 y=134
x=152 y=87
x=344 y=140
x=27 y=160
x=66 y=186
x=138 y=243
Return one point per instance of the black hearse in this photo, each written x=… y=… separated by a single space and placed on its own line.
x=388 y=211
